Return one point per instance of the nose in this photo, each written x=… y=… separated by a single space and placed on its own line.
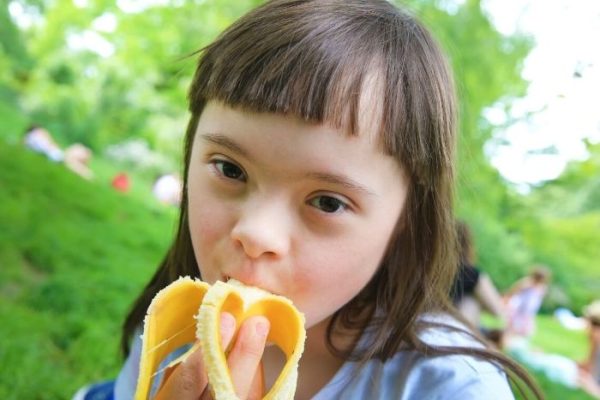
x=263 y=230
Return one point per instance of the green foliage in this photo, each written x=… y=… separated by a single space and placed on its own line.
x=12 y=122
x=500 y=252
x=570 y=247
x=15 y=58
x=559 y=222
x=132 y=83
x=575 y=192
x=487 y=69
x=14 y=63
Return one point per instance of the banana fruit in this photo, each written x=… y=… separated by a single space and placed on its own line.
x=188 y=311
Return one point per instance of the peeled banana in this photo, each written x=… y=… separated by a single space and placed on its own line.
x=188 y=311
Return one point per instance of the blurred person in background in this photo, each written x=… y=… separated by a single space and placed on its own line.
x=77 y=158
x=589 y=369
x=41 y=141
x=167 y=189
x=473 y=290
x=524 y=300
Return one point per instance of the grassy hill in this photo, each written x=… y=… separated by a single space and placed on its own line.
x=73 y=254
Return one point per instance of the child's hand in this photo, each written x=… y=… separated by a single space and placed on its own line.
x=189 y=380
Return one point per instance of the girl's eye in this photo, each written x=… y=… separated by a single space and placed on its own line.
x=328 y=204
x=229 y=170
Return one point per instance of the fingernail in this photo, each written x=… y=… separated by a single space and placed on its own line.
x=262 y=328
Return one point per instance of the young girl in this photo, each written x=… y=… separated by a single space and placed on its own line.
x=319 y=166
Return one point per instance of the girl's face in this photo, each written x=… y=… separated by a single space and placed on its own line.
x=299 y=209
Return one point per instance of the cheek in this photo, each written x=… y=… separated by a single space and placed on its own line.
x=208 y=224
x=341 y=268
x=203 y=232
x=331 y=278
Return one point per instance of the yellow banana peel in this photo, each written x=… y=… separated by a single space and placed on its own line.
x=188 y=311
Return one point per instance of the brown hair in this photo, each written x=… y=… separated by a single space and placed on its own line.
x=311 y=59
x=466 y=249
x=540 y=273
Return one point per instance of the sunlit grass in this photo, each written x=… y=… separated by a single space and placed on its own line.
x=73 y=254
x=552 y=338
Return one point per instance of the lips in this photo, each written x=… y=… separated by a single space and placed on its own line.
x=248 y=281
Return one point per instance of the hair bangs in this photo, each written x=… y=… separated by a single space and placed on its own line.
x=296 y=66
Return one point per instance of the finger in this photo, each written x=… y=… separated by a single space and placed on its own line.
x=167 y=374
x=189 y=380
x=246 y=354
x=257 y=389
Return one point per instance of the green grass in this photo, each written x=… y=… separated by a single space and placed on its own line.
x=73 y=254
x=555 y=391
x=12 y=121
x=552 y=338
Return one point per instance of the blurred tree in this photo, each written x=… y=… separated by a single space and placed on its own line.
x=576 y=191
x=563 y=226
x=487 y=68
x=15 y=64
x=109 y=71
x=15 y=59
x=104 y=71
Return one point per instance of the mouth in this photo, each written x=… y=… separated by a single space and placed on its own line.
x=226 y=278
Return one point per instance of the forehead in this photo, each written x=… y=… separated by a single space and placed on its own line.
x=361 y=114
x=222 y=119
x=371 y=107
x=321 y=82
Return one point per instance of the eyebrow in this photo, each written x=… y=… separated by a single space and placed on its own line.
x=224 y=141
x=341 y=180
x=336 y=179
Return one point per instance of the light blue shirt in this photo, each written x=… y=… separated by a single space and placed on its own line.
x=407 y=375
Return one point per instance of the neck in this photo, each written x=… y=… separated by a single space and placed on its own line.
x=317 y=365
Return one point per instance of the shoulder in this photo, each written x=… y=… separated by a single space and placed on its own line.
x=126 y=381
x=414 y=375
x=127 y=378
x=451 y=376
x=455 y=376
